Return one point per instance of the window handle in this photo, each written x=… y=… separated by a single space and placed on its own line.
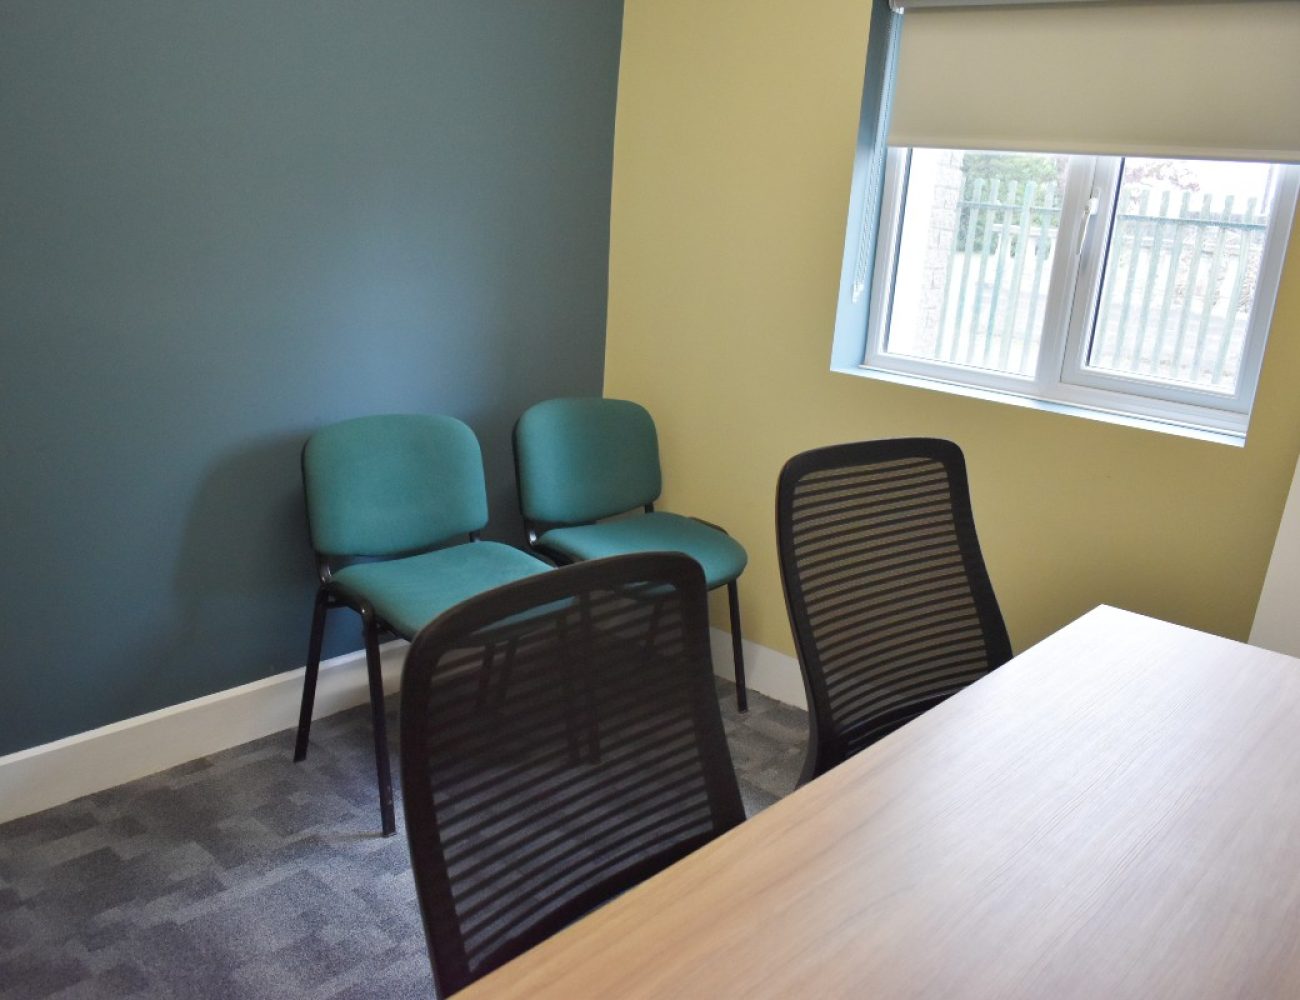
x=1090 y=208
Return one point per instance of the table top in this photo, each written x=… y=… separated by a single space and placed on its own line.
x=1114 y=813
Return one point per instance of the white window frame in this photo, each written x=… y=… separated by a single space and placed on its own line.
x=1061 y=375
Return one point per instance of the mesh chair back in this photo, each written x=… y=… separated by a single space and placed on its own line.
x=561 y=741
x=580 y=460
x=387 y=485
x=889 y=599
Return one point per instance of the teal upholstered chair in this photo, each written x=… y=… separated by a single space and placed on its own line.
x=581 y=461
x=387 y=499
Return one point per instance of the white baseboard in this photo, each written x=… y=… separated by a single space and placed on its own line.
x=49 y=775
x=54 y=773
x=766 y=671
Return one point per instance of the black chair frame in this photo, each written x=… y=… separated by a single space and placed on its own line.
x=481 y=616
x=328 y=597
x=827 y=745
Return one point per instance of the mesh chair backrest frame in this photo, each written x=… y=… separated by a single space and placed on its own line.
x=391 y=485
x=561 y=742
x=578 y=460
x=889 y=599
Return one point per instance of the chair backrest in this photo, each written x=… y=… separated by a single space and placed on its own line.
x=561 y=742
x=387 y=485
x=889 y=599
x=579 y=460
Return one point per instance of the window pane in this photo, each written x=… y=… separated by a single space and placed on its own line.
x=975 y=258
x=1181 y=270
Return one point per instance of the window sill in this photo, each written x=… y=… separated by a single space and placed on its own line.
x=1051 y=406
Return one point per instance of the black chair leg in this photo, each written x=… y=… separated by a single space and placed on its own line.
x=485 y=677
x=588 y=682
x=379 y=726
x=313 y=671
x=503 y=684
x=733 y=599
x=569 y=691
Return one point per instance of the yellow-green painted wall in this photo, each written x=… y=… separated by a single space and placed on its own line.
x=733 y=150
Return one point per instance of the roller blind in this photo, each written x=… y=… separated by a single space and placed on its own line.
x=1192 y=79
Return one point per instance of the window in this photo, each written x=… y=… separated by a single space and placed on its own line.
x=1137 y=286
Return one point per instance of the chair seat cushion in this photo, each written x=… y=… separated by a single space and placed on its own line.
x=409 y=593
x=721 y=556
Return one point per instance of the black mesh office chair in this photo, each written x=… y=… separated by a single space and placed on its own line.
x=561 y=742
x=889 y=600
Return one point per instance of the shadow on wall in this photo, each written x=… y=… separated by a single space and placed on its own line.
x=244 y=577
x=243 y=581
x=494 y=429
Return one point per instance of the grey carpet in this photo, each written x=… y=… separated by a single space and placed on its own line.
x=244 y=875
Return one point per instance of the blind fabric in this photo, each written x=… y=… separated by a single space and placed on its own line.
x=1188 y=79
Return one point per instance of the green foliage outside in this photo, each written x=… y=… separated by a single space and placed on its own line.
x=1011 y=173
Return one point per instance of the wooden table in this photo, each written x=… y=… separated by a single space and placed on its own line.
x=1114 y=813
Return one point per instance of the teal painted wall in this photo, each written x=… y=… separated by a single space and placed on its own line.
x=225 y=224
